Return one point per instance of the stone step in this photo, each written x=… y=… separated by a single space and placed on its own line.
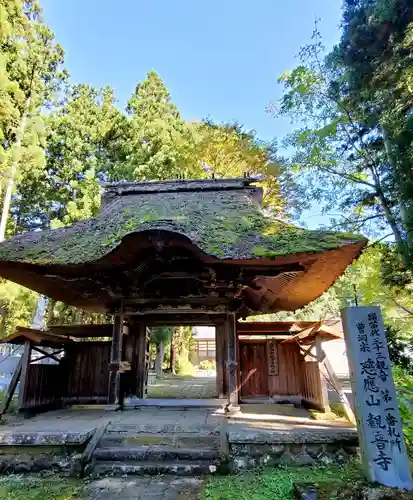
x=174 y=404
x=177 y=468
x=154 y=453
x=167 y=428
x=171 y=440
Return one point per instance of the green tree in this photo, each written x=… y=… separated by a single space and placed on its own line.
x=17 y=305
x=227 y=150
x=375 y=57
x=79 y=134
x=32 y=76
x=157 y=143
x=357 y=127
x=78 y=156
x=339 y=155
x=161 y=337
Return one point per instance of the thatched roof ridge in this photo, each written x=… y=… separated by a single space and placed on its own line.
x=224 y=222
x=178 y=185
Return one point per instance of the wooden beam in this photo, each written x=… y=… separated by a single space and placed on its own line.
x=307 y=352
x=114 y=396
x=263 y=327
x=141 y=364
x=46 y=354
x=24 y=373
x=12 y=386
x=335 y=382
x=182 y=318
x=323 y=375
x=179 y=301
x=220 y=359
x=154 y=309
x=92 y=444
x=81 y=331
x=232 y=362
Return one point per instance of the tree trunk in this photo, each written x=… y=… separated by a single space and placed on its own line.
x=50 y=311
x=39 y=316
x=391 y=219
x=3 y=323
x=173 y=353
x=181 y=339
x=387 y=148
x=159 y=359
x=404 y=246
x=13 y=171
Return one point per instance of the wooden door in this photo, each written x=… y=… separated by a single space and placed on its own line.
x=254 y=369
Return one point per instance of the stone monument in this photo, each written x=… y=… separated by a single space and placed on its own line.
x=382 y=445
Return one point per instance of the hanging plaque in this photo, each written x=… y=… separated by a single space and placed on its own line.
x=272 y=355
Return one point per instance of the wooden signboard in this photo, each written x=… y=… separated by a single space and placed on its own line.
x=272 y=356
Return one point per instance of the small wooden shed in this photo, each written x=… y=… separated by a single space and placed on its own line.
x=283 y=361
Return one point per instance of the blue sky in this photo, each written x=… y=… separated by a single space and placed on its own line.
x=219 y=59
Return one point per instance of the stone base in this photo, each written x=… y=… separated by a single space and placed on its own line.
x=40 y=452
x=348 y=491
x=24 y=463
x=247 y=451
x=231 y=409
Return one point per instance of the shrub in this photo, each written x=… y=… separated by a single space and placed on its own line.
x=182 y=365
x=207 y=364
x=404 y=385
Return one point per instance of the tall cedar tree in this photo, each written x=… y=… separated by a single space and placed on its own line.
x=32 y=77
x=375 y=58
x=157 y=144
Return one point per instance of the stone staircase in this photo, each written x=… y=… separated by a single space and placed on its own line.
x=129 y=450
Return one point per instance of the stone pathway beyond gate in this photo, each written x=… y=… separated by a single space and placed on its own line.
x=156 y=488
x=184 y=387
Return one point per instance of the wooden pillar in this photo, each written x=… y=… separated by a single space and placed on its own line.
x=141 y=368
x=220 y=359
x=232 y=361
x=128 y=378
x=323 y=374
x=24 y=374
x=114 y=396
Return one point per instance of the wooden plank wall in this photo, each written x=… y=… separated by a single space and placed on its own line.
x=46 y=385
x=220 y=358
x=88 y=372
x=288 y=382
x=254 y=376
x=82 y=376
x=312 y=387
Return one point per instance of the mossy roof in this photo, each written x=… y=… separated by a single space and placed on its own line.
x=224 y=220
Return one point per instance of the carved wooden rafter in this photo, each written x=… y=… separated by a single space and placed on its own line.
x=175 y=276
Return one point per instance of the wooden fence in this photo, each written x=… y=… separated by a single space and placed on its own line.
x=88 y=365
x=44 y=386
x=314 y=383
x=81 y=377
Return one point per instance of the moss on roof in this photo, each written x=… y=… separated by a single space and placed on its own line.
x=227 y=224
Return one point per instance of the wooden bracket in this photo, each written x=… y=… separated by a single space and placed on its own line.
x=12 y=386
x=124 y=366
